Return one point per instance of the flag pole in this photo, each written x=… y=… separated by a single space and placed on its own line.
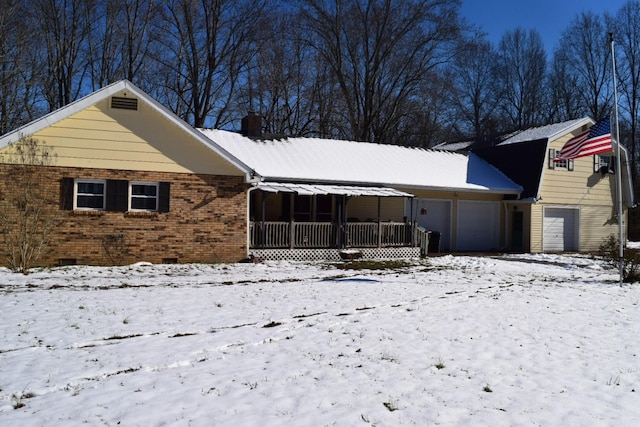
x=618 y=163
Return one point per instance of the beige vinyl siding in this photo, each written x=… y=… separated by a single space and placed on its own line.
x=596 y=224
x=536 y=228
x=582 y=186
x=102 y=137
x=591 y=192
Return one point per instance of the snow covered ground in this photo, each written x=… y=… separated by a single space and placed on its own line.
x=451 y=340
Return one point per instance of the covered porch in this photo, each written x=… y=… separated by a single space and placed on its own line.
x=320 y=221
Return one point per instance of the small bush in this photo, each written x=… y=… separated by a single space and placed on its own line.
x=609 y=251
x=115 y=247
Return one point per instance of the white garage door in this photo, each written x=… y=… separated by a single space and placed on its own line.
x=559 y=230
x=478 y=226
x=435 y=215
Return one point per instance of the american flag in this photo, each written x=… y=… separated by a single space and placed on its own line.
x=596 y=140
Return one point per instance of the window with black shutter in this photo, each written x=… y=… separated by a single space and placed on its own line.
x=89 y=194
x=114 y=195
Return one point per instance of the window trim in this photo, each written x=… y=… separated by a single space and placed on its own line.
x=562 y=164
x=131 y=195
x=77 y=181
x=598 y=163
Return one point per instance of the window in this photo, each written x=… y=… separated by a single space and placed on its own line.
x=114 y=195
x=603 y=164
x=561 y=164
x=143 y=196
x=90 y=194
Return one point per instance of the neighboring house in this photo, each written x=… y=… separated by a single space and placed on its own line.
x=565 y=206
x=127 y=168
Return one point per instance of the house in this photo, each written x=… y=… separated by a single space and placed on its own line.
x=366 y=190
x=564 y=206
x=129 y=171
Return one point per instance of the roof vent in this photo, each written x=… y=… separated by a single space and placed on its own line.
x=124 y=103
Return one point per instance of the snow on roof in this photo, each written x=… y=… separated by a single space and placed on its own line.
x=549 y=132
x=359 y=163
x=453 y=146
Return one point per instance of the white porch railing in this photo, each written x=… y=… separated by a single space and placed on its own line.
x=277 y=234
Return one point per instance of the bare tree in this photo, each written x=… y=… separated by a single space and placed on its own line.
x=584 y=47
x=121 y=40
x=379 y=51
x=476 y=98
x=206 y=48
x=627 y=42
x=520 y=73
x=27 y=203
x=277 y=78
x=17 y=80
x=287 y=82
x=65 y=27
x=565 y=98
x=430 y=119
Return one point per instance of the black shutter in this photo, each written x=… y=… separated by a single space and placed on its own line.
x=66 y=194
x=164 y=196
x=117 y=195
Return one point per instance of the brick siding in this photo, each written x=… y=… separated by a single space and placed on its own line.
x=206 y=221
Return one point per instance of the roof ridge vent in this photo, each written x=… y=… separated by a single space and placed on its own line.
x=122 y=103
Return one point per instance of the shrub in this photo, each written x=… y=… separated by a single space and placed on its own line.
x=610 y=252
x=27 y=202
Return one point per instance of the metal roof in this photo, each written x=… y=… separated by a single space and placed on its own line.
x=319 y=189
x=330 y=161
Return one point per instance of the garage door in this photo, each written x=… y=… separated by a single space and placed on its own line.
x=559 y=230
x=478 y=226
x=435 y=215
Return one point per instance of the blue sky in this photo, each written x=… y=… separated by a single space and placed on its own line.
x=549 y=17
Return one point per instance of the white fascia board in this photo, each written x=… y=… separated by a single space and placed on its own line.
x=584 y=121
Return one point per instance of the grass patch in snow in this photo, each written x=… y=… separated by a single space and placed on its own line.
x=375 y=265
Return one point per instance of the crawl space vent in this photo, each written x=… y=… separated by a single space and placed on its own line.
x=124 y=103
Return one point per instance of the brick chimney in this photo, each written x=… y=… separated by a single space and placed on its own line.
x=251 y=125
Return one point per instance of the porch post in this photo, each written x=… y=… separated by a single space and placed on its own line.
x=263 y=232
x=379 y=223
x=292 y=227
x=412 y=223
x=340 y=230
